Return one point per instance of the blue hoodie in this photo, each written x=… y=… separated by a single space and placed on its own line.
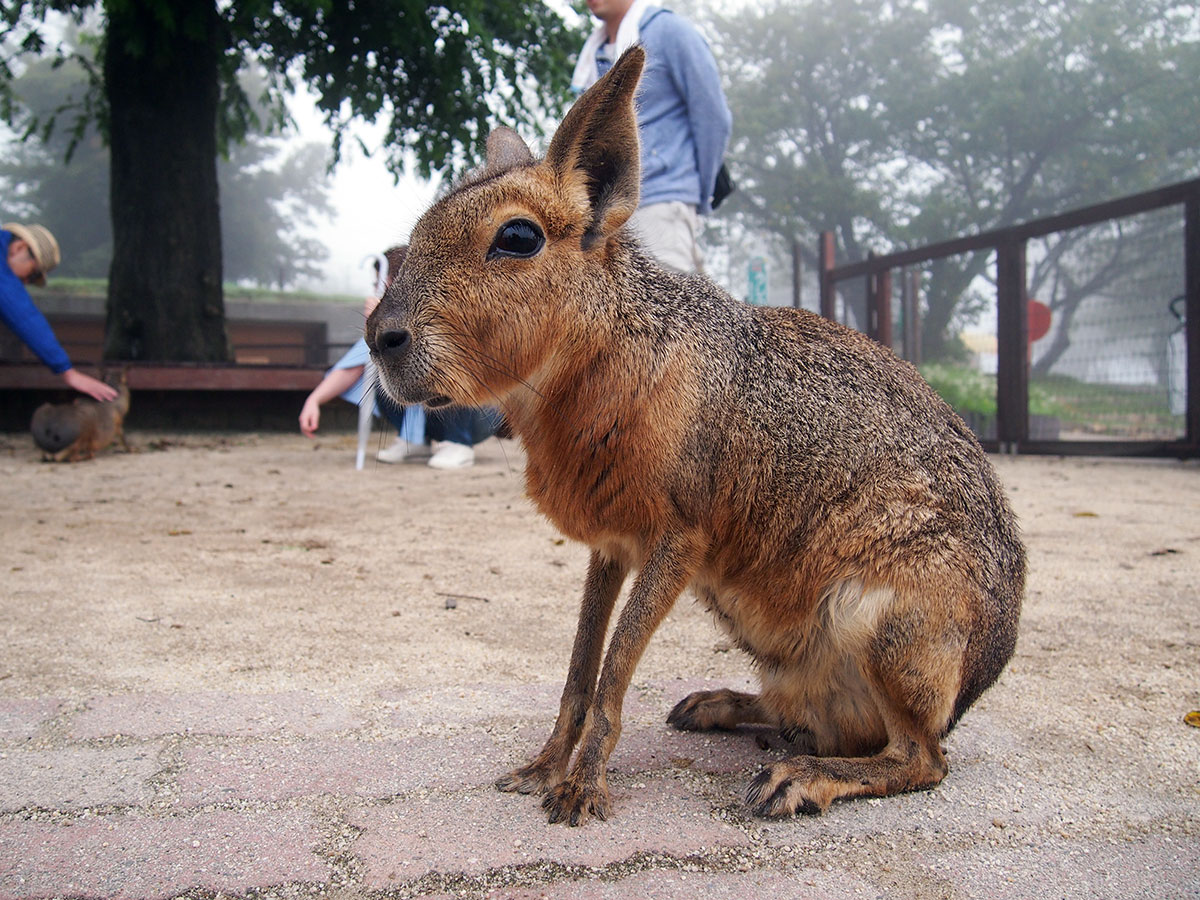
x=683 y=120
x=26 y=320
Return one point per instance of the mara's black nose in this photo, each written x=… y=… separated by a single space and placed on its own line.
x=394 y=342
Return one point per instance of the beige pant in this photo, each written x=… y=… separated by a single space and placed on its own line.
x=668 y=231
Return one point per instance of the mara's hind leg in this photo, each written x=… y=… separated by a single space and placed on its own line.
x=913 y=679
x=808 y=784
x=722 y=709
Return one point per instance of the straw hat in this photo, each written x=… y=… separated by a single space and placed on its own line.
x=42 y=245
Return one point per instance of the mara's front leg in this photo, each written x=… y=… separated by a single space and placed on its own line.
x=604 y=579
x=666 y=572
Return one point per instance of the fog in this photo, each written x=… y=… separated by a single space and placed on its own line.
x=373 y=210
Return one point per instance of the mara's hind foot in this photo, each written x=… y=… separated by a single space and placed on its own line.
x=723 y=709
x=808 y=784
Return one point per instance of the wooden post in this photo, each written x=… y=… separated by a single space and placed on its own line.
x=910 y=304
x=797 y=271
x=870 y=291
x=1012 y=338
x=828 y=288
x=1191 y=306
x=879 y=306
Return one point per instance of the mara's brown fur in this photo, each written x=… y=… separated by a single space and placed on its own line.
x=69 y=432
x=836 y=516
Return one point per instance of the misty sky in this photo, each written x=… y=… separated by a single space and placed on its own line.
x=372 y=212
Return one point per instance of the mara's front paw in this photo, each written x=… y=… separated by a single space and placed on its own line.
x=535 y=778
x=574 y=803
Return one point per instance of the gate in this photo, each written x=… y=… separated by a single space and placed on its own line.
x=1113 y=367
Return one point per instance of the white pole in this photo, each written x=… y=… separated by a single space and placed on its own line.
x=366 y=403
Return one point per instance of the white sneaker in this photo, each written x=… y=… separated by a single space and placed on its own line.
x=402 y=451
x=452 y=456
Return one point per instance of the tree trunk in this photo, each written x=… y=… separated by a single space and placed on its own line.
x=164 y=286
x=949 y=280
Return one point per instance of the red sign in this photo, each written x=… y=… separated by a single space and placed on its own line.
x=1039 y=320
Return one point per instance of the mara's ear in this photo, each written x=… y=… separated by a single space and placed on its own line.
x=506 y=150
x=596 y=148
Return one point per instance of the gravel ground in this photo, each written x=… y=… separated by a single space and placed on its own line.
x=253 y=564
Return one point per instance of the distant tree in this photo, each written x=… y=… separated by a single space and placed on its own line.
x=812 y=85
x=1044 y=107
x=270 y=192
x=909 y=122
x=1137 y=259
x=70 y=198
x=166 y=94
x=269 y=195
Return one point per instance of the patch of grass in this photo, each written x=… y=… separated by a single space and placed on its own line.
x=965 y=389
x=75 y=287
x=1111 y=410
x=1108 y=409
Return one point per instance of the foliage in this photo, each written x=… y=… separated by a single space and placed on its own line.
x=965 y=389
x=911 y=122
x=1040 y=106
x=1079 y=406
x=269 y=192
x=70 y=198
x=163 y=84
x=1135 y=411
x=439 y=76
x=969 y=390
x=810 y=163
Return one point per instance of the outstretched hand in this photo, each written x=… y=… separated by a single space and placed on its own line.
x=86 y=384
x=310 y=417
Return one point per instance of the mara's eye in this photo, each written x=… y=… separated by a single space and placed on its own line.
x=520 y=238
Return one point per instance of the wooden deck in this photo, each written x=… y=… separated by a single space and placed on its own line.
x=182 y=396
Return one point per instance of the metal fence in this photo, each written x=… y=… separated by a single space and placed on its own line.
x=1082 y=337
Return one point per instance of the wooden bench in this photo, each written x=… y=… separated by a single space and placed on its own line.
x=174 y=377
x=183 y=396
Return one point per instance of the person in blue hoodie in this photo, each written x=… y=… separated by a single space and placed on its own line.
x=683 y=120
x=27 y=253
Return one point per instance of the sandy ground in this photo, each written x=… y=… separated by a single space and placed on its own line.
x=265 y=562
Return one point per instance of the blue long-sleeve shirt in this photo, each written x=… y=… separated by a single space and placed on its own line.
x=683 y=120
x=26 y=320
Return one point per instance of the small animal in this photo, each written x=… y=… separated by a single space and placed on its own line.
x=69 y=432
x=838 y=519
